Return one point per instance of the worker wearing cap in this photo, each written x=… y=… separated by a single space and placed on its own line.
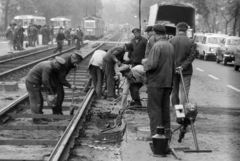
x=37 y=79
x=114 y=56
x=134 y=80
x=184 y=51
x=159 y=68
x=150 y=38
x=59 y=78
x=60 y=37
x=95 y=69
x=139 y=47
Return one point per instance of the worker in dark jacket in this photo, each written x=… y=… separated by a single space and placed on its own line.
x=150 y=38
x=184 y=51
x=114 y=55
x=59 y=78
x=159 y=67
x=39 y=76
x=60 y=37
x=139 y=47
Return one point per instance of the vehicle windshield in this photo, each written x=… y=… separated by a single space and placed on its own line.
x=198 y=38
x=233 y=42
x=214 y=40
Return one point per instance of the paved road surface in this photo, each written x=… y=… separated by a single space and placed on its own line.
x=215 y=85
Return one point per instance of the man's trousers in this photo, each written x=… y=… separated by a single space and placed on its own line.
x=177 y=86
x=35 y=98
x=134 y=91
x=97 y=78
x=158 y=106
x=108 y=69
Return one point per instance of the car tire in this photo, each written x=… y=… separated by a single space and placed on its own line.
x=217 y=60
x=205 y=57
x=224 y=61
x=236 y=67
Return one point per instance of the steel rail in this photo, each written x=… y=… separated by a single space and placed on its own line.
x=4 y=74
x=58 y=151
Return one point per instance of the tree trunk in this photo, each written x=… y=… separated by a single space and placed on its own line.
x=226 y=25
x=235 y=25
x=239 y=26
x=6 y=14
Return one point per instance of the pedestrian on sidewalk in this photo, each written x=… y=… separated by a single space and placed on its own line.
x=159 y=67
x=9 y=36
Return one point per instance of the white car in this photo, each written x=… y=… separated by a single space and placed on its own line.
x=198 y=37
x=207 y=48
x=227 y=50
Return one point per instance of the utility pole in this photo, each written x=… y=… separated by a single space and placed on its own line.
x=140 y=15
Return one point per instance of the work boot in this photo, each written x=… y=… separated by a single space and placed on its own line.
x=39 y=121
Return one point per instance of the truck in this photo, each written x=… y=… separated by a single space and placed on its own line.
x=170 y=14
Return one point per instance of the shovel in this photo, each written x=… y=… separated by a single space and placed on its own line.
x=71 y=110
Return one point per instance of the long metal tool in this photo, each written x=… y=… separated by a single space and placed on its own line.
x=71 y=110
x=192 y=124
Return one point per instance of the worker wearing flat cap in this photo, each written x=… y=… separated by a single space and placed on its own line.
x=37 y=80
x=159 y=67
x=59 y=39
x=59 y=78
x=150 y=38
x=114 y=56
x=139 y=46
x=184 y=51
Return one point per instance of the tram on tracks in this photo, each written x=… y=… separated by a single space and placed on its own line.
x=170 y=14
x=58 y=22
x=93 y=27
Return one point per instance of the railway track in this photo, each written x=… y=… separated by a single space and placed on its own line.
x=22 y=140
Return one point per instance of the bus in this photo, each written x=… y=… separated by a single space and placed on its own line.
x=170 y=15
x=25 y=20
x=58 y=22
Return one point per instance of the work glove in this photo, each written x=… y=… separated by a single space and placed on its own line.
x=73 y=87
x=178 y=69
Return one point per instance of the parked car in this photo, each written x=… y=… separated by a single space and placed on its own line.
x=237 y=59
x=207 y=48
x=227 y=49
x=198 y=37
